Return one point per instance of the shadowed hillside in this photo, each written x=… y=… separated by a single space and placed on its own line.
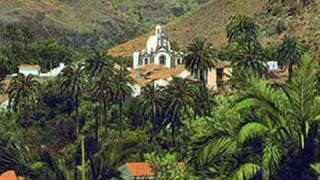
x=92 y=23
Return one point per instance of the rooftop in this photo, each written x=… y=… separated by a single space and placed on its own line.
x=29 y=66
x=142 y=76
x=140 y=169
x=8 y=175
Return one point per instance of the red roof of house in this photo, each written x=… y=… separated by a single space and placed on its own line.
x=9 y=175
x=140 y=169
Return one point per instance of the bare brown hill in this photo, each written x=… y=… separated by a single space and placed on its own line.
x=207 y=21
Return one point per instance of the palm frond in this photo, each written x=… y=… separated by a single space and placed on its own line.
x=252 y=130
x=246 y=171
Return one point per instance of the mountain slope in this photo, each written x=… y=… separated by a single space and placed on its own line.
x=275 y=20
x=92 y=22
x=208 y=21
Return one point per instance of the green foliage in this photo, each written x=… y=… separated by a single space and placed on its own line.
x=22 y=91
x=167 y=167
x=246 y=171
x=200 y=58
x=251 y=130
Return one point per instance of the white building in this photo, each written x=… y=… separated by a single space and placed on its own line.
x=54 y=72
x=27 y=69
x=273 y=65
x=157 y=51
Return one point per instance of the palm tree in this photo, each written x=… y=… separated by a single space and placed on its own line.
x=103 y=93
x=248 y=57
x=22 y=89
x=290 y=53
x=72 y=85
x=122 y=89
x=278 y=133
x=96 y=64
x=179 y=97
x=241 y=29
x=101 y=69
x=151 y=103
x=200 y=58
x=202 y=100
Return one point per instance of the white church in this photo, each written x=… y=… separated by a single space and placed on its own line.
x=157 y=51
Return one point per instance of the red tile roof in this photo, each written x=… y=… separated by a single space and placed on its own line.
x=142 y=76
x=140 y=169
x=9 y=175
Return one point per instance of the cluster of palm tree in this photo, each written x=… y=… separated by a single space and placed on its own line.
x=276 y=135
x=170 y=107
x=106 y=84
x=247 y=54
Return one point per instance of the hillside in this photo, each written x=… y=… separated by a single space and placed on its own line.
x=209 y=20
x=102 y=23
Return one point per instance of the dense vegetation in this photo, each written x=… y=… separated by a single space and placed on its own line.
x=94 y=23
x=85 y=124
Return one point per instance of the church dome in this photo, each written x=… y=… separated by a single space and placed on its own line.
x=152 y=44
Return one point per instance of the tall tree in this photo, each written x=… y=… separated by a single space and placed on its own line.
x=72 y=85
x=200 y=58
x=244 y=49
x=22 y=90
x=290 y=53
x=248 y=57
x=202 y=100
x=178 y=98
x=101 y=69
x=97 y=64
x=241 y=29
x=103 y=93
x=122 y=89
x=151 y=103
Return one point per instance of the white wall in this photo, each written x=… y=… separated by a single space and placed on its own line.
x=136 y=60
x=26 y=72
x=136 y=90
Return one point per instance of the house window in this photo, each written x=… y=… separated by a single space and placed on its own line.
x=145 y=61
x=220 y=74
x=162 y=59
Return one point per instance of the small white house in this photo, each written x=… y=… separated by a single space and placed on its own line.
x=273 y=65
x=27 y=69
